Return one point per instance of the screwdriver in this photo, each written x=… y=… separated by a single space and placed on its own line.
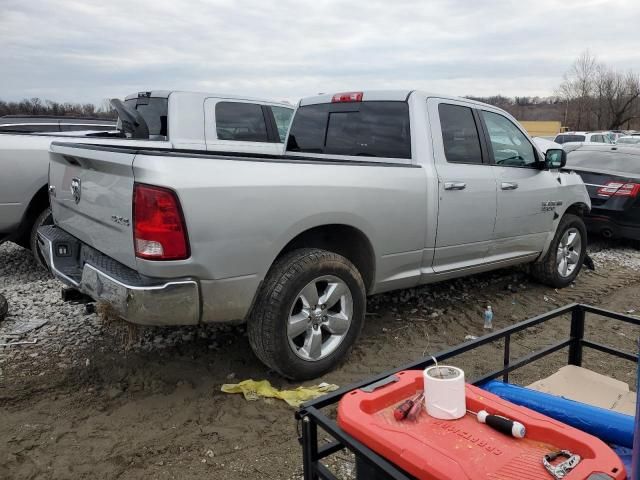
x=417 y=406
x=402 y=411
x=501 y=424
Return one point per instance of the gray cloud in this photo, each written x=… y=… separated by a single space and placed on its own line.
x=77 y=50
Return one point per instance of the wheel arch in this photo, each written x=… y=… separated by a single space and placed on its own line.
x=345 y=240
x=578 y=208
x=39 y=202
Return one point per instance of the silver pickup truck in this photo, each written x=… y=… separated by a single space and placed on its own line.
x=376 y=191
x=154 y=119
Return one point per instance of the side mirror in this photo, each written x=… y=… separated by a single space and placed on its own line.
x=555 y=158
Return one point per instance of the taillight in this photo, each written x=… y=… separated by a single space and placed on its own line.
x=619 y=189
x=347 y=97
x=158 y=224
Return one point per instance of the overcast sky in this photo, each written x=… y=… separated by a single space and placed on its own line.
x=88 y=50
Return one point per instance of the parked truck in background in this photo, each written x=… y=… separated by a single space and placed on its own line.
x=376 y=191
x=51 y=123
x=156 y=119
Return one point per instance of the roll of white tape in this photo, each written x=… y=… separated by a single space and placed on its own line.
x=444 y=392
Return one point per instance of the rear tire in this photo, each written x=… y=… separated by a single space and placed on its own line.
x=309 y=313
x=43 y=218
x=568 y=244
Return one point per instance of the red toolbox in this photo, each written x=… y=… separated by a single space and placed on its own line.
x=428 y=448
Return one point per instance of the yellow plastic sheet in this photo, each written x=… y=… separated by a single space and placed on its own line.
x=255 y=389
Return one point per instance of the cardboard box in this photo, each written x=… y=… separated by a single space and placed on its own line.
x=586 y=386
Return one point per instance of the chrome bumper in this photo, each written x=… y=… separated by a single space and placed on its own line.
x=137 y=299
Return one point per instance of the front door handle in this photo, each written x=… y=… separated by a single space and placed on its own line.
x=455 y=185
x=508 y=185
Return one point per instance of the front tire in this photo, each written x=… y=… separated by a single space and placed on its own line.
x=43 y=218
x=564 y=259
x=309 y=313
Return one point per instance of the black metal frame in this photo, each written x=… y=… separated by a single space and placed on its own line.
x=311 y=416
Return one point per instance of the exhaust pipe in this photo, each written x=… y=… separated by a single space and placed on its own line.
x=607 y=233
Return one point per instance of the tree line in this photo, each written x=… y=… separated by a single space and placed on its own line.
x=591 y=96
x=37 y=106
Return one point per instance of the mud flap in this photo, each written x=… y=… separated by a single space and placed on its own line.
x=588 y=262
x=4 y=308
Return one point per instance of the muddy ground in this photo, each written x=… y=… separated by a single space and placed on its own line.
x=103 y=409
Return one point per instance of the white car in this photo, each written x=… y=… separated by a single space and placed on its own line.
x=582 y=137
x=629 y=140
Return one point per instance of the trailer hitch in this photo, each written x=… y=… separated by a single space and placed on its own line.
x=73 y=295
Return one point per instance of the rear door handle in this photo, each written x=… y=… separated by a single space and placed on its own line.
x=508 y=185
x=455 y=185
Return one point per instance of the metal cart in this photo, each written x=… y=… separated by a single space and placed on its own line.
x=372 y=466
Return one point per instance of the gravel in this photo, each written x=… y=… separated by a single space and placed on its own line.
x=37 y=313
x=622 y=255
x=34 y=297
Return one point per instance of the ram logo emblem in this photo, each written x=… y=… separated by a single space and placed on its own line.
x=76 y=189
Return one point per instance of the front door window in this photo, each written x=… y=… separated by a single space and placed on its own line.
x=510 y=146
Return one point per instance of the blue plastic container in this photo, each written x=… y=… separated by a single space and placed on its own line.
x=610 y=427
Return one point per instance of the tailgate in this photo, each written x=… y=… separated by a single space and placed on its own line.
x=93 y=197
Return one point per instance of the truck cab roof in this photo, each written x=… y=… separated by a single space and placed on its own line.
x=201 y=96
x=381 y=96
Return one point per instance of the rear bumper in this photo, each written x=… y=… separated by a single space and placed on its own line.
x=134 y=297
x=612 y=227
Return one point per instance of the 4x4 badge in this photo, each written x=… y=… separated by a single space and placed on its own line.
x=551 y=205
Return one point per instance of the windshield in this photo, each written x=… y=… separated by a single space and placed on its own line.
x=154 y=110
x=629 y=140
x=569 y=138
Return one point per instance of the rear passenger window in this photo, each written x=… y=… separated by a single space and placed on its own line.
x=367 y=129
x=240 y=122
x=459 y=134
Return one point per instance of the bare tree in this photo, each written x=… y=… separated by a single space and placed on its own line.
x=623 y=98
x=577 y=87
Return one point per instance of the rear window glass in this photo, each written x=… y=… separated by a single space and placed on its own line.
x=569 y=138
x=29 y=128
x=604 y=160
x=459 y=134
x=154 y=110
x=240 y=122
x=75 y=128
x=368 y=129
x=282 y=116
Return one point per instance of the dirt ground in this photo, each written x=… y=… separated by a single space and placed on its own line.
x=160 y=414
